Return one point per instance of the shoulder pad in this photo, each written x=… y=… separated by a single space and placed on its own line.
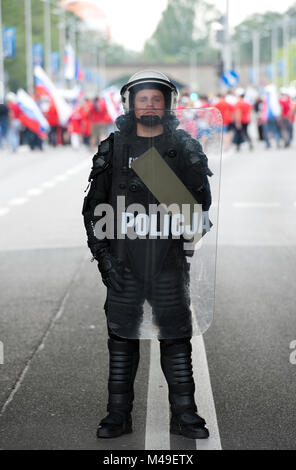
x=98 y=167
x=102 y=159
x=99 y=161
x=182 y=134
x=105 y=145
x=193 y=152
x=189 y=144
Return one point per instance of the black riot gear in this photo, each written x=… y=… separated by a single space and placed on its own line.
x=124 y=360
x=177 y=367
x=141 y=259
x=149 y=79
x=107 y=268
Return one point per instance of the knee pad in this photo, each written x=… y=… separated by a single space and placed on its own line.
x=170 y=347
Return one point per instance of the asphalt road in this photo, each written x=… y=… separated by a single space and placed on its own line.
x=52 y=325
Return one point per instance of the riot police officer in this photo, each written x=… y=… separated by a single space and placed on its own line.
x=139 y=270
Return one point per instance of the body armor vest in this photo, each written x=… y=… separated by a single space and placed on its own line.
x=145 y=256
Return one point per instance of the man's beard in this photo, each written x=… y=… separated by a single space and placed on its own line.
x=149 y=121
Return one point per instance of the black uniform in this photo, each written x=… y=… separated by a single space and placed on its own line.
x=150 y=269
x=155 y=270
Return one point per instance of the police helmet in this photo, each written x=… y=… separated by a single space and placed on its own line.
x=148 y=79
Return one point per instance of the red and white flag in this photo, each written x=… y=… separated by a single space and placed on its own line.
x=44 y=86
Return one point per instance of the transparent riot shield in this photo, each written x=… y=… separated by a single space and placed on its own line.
x=164 y=220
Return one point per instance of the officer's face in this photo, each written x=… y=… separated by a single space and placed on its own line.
x=149 y=102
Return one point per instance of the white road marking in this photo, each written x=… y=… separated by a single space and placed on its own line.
x=158 y=413
x=78 y=168
x=47 y=184
x=157 y=421
x=261 y=205
x=34 y=191
x=72 y=171
x=61 y=177
x=4 y=210
x=204 y=394
x=18 y=201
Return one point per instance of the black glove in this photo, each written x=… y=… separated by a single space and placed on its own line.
x=108 y=267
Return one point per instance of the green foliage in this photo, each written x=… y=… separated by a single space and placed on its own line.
x=116 y=54
x=291 y=64
x=183 y=28
x=93 y=43
x=182 y=34
x=263 y=23
x=13 y=14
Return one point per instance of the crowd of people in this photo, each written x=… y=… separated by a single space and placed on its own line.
x=273 y=113
x=91 y=121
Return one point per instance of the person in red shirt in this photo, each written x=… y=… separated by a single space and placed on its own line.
x=286 y=118
x=226 y=110
x=242 y=118
x=86 y=121
x=97 y=117
x=293 y=114
x=53 y=120
x=74 y=127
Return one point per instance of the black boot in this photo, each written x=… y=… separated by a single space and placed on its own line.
x=124 y=359
x=177 y=368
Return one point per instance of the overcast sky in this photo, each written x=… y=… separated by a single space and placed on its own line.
x=133 y=21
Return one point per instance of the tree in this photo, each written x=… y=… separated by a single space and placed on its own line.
x=263 y=23
x=184 y=27
x=13 y=15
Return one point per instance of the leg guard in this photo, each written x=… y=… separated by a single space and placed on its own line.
x=124 y=359
x=177 y=368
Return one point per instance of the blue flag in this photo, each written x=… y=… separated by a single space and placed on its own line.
x=38 y=54
x=9 y=35
x=55 y=62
